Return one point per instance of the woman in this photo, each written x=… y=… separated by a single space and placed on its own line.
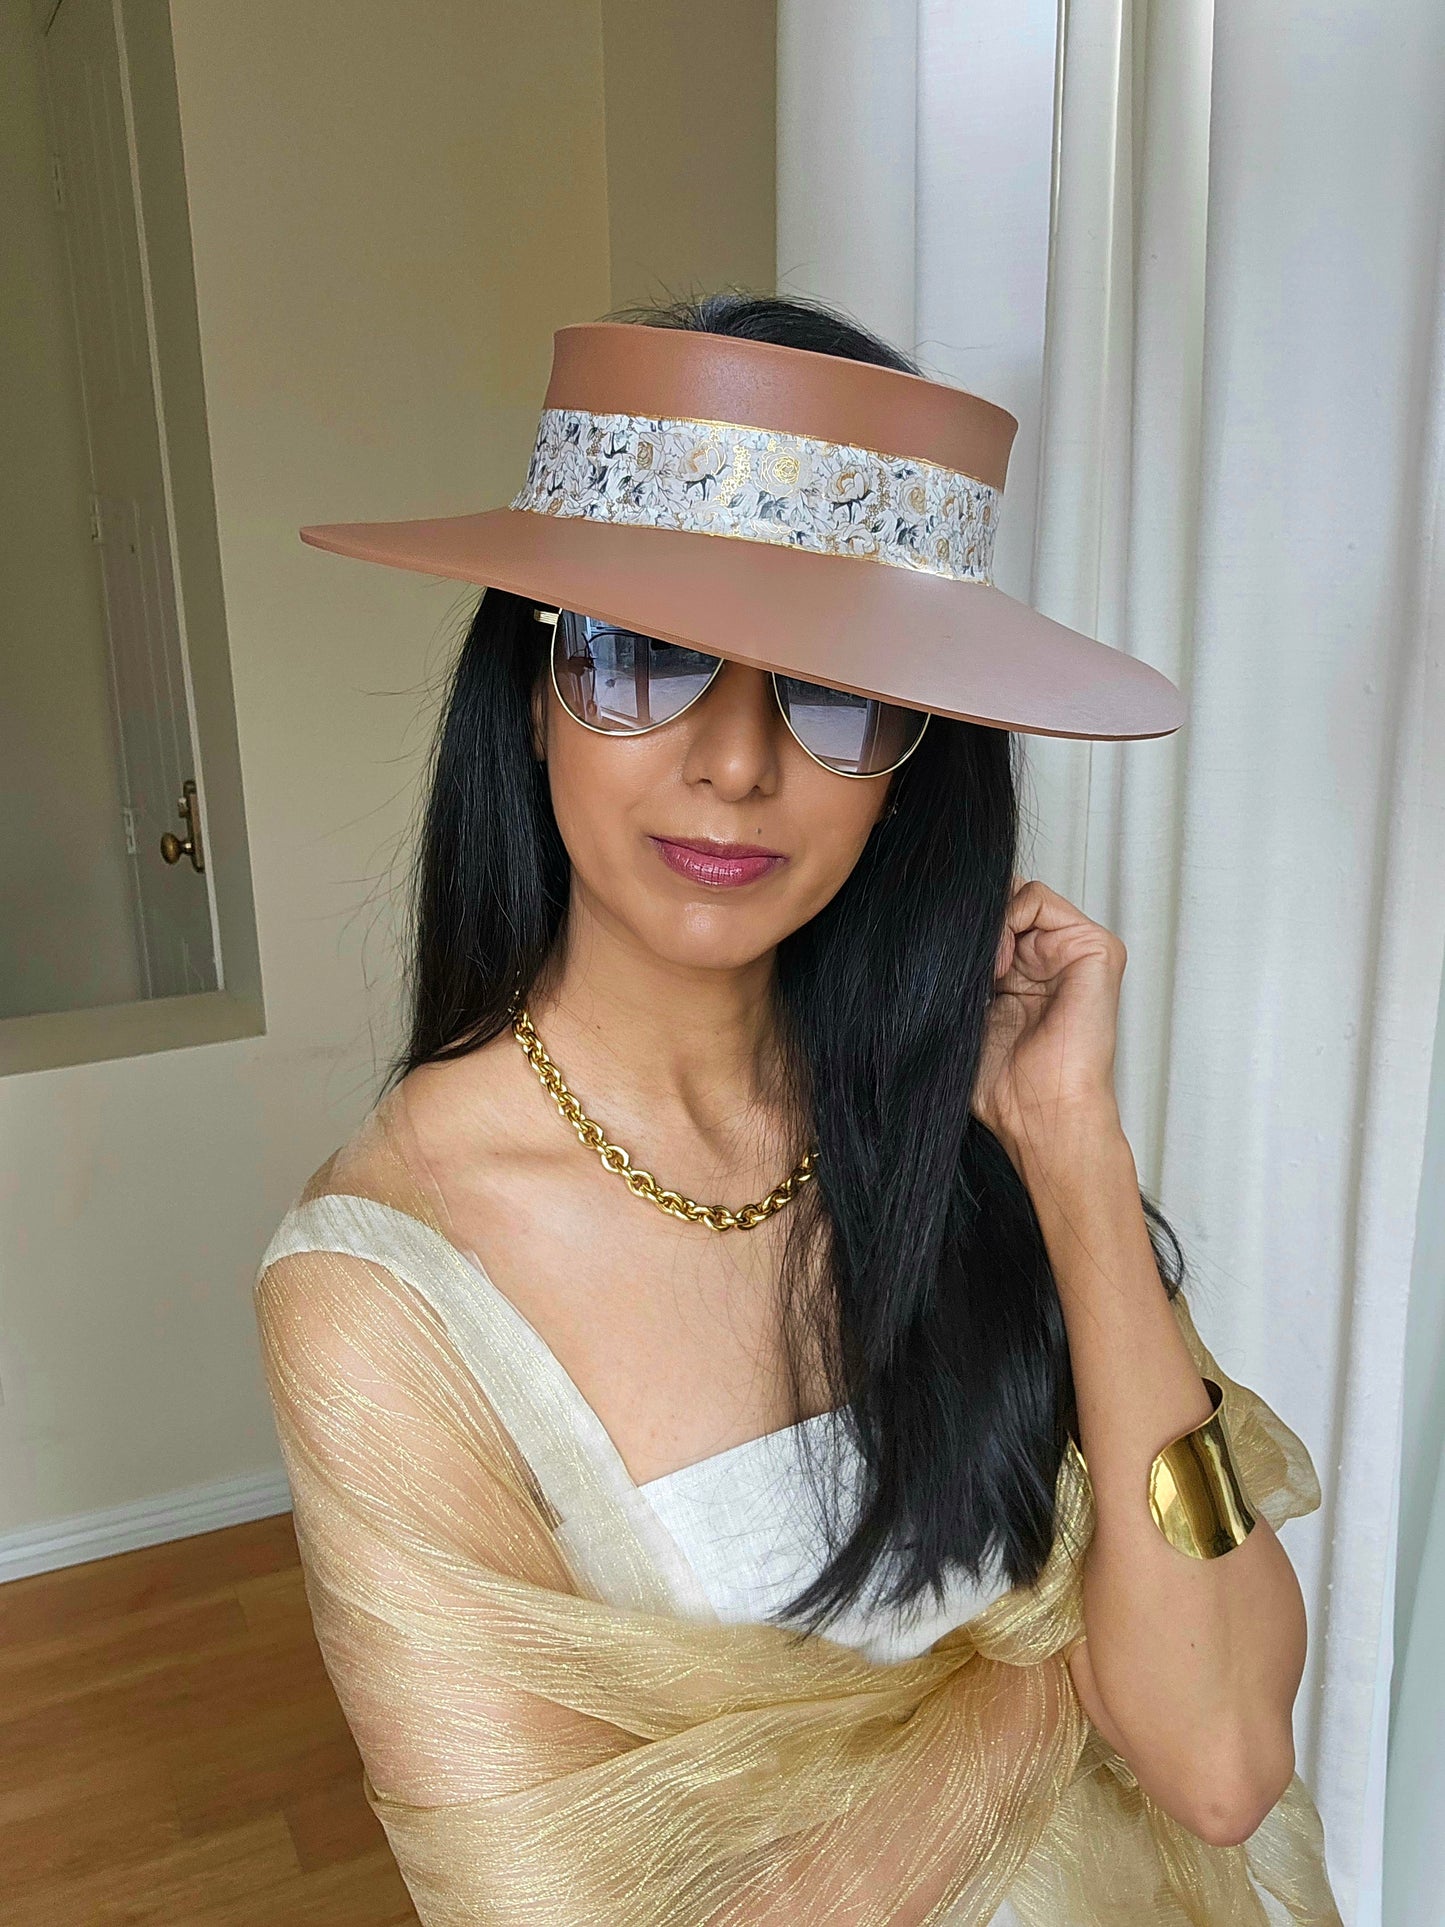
x=836 y=1526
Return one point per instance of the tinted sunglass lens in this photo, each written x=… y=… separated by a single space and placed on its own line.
x=618 y=680
x=855 y=735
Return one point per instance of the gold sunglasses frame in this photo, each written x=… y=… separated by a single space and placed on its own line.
x=554 y=616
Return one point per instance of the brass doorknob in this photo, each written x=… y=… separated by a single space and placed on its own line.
x=173 y=847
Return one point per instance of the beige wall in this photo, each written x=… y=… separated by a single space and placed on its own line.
x=392 y=209
x=690 y=146
x=67 y=937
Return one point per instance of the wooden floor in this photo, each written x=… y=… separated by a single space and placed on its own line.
x=171 y=1749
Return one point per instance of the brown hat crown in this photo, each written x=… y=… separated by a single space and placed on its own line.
x=623 y=368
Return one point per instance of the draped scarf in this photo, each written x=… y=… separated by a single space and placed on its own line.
x=546 y=1738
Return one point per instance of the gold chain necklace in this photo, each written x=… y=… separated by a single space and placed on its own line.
x=642 y=1184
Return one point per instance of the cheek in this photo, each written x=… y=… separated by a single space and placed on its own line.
x=606 y=792
x=596 y=787
x=835 y=814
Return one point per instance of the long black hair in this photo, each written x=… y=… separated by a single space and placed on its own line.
x=914 y=1270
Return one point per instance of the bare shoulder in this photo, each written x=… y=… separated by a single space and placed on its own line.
x=465 y=1115
x=509 y=1182
x=418 y=1132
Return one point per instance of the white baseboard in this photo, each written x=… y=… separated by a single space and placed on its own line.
x=144 y=1522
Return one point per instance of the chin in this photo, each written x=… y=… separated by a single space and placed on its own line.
x=706 y=938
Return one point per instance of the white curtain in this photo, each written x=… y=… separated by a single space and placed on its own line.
x=1196 y=248
x=1415 y=1796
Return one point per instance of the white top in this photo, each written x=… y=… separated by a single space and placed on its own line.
x=746 y=1521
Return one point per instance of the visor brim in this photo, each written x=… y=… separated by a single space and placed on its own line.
x=959 y=649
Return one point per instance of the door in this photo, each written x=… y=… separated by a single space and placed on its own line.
x=161 y=779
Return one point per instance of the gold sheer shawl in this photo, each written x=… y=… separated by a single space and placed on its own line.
x=548 y=1738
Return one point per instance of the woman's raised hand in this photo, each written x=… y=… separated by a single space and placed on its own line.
x=1047 y=1067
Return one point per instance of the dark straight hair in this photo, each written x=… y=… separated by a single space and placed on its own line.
x=914 y=1271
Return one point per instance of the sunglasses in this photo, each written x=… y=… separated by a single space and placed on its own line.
x=620 y=683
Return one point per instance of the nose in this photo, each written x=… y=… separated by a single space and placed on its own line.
x=735 y=737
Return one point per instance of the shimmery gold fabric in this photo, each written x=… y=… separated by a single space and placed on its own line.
x=548 y=1739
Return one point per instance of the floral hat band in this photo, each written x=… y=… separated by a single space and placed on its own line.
x=653 y=441
x=763 y=485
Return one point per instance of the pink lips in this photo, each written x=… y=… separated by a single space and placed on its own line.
x=723 y=865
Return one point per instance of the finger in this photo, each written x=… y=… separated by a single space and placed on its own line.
x=1023 y=905
x=1047 y=910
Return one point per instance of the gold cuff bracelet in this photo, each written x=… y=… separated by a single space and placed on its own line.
x=1195 y=1492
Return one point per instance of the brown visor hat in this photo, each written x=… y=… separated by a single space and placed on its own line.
x=787 y=509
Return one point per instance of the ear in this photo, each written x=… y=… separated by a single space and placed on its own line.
x=539 y=719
